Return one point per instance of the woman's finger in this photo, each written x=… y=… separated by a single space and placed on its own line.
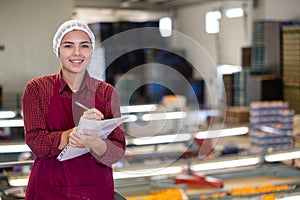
x=93 y=114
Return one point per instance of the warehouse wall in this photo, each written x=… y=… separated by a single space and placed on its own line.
x=220 y=48
x=27 y=29
x=225 y=47
x=190 y=20
x=278 y=10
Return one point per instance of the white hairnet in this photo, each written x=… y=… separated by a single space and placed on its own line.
x=67 y=27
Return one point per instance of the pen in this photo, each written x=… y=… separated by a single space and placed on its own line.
x=82 y=106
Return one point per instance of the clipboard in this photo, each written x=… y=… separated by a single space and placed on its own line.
x=103 y=129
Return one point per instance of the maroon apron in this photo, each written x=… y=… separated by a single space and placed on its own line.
x=79 y=178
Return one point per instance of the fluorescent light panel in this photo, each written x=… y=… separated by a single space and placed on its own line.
x=138 y=108
x=18 y=148
x=161 y=139
x=17 y=182
x=12 y=123
x=147 y=172
x=7 y=114
x=226 y=164
x=222 y=133
x=131 y=118
x=282 y=156
x=164 y=116
x=297 y=197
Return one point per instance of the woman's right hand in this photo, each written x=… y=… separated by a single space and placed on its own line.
x=64 y=140
x=93 y=114
x=74 y=139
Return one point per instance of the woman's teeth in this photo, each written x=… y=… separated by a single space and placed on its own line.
x=76 y=61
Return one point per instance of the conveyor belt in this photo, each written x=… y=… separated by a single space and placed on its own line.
x=253 y=176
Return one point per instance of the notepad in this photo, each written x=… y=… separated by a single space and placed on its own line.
x=102 y=127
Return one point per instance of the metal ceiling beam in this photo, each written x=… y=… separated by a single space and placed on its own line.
x=138 y=4
x=117 y=4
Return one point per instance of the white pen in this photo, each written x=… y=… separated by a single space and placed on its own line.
x=82 y=106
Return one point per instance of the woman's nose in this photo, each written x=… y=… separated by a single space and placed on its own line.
x=76 y=51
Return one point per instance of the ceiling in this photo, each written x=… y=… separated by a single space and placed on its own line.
x=92 y=11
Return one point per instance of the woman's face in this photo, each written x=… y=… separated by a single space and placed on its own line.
x=75 y=51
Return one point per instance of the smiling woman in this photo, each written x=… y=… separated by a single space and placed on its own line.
x=51 y=118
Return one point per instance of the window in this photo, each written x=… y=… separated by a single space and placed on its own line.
x=165 y=26
x=234 y=12
x=212 y=21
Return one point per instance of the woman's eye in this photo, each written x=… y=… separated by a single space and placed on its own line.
x=68 y=46
x=85 y=46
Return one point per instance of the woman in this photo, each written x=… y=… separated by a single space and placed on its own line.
x=51 y=117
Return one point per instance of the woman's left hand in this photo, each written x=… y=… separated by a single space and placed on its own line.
x=90 y=138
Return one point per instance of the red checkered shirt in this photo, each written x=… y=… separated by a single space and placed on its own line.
x=36 y=100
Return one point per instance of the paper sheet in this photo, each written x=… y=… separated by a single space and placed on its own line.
x=102 y=127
